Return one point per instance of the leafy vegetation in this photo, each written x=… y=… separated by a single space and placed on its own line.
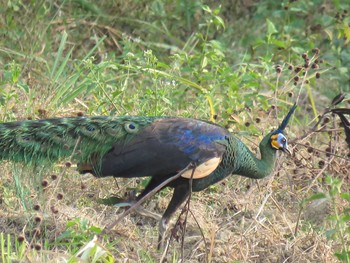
x=240 y=64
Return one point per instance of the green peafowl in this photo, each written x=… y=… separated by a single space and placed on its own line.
x=158 y=147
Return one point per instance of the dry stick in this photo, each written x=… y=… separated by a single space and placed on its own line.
x=162 y=259
x=325 y=152
x=262 y=205
x=308 y=189
x=313 y=129
x=187 y=205
x=320 y=118
x=155 y=190
x=196 y=246
x=183 y=235
x=189 y=211
x=321 y=129
x=316 y=177
x=284 y=215
x=330 y=159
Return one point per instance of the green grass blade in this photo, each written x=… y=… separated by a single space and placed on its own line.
x=59 y=53
x=2 y=244
x=64 y=88
x=92 y=50
x=62 y=66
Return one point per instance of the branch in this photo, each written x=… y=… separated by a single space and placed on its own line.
x=151 y=193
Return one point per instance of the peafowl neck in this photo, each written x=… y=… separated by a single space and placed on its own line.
x=249 y=165
x=239 y=160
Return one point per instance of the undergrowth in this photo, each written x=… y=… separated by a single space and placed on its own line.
x=240 y=64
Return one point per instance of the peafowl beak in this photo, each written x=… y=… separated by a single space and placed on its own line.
x=286 y=149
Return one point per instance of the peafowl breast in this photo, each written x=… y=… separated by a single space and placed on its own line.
x=157 y=147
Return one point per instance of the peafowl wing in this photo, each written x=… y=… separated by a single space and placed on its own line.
x=165 y=147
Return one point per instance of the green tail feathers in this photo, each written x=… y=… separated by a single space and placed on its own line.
x=82 y=138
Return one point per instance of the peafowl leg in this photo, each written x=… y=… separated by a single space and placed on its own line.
x=153 y=183
x=181 y=192
x=142 y=211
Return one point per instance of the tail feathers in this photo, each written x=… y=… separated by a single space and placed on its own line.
x=85 y=139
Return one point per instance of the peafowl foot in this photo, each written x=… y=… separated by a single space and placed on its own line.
x=118 y=202
x=140 y=210
x=124 y=203
x=144 y=212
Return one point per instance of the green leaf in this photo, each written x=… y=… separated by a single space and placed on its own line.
x=218 y=21
x=204 y=62
x=316 y=197
x=271 y=29
x=206 y=8
x=329 y=33
x=96 y=229
x=259 y=42
x=346 y=196
x=278 y=43
x=23 y=86
x=346 y=33
x=330 y=234
x=345 y=218
x=71 y=223
x=342 y=256
x=298 y=50
x=62 y=67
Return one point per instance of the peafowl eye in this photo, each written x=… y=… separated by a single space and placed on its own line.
x=279 y=142
x=139 y=146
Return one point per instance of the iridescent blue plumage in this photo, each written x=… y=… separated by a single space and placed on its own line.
x=164 y=147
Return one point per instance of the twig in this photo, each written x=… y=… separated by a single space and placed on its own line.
x=330 y=159
x=208 y=259
x=139 y=202
x=298 y=221
x=162 y=259
x=262 y=205
x=188 y=208
x=332 y=156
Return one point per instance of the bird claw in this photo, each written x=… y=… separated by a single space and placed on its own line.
x=144 y=212
x=114 y=201
x=124 y=204
x=140 y=210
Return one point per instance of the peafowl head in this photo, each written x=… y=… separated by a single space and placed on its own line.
x=278 y=140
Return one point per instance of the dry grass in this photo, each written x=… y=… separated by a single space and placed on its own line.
x=238 y=219
x=241 y=219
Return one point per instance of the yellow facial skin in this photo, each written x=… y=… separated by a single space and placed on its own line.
x=274 y=142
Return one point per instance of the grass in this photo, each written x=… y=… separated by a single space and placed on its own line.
x=241 y=66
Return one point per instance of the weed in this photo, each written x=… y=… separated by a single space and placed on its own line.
x=238 y=64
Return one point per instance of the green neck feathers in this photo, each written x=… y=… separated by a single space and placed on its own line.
x=250 y=166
